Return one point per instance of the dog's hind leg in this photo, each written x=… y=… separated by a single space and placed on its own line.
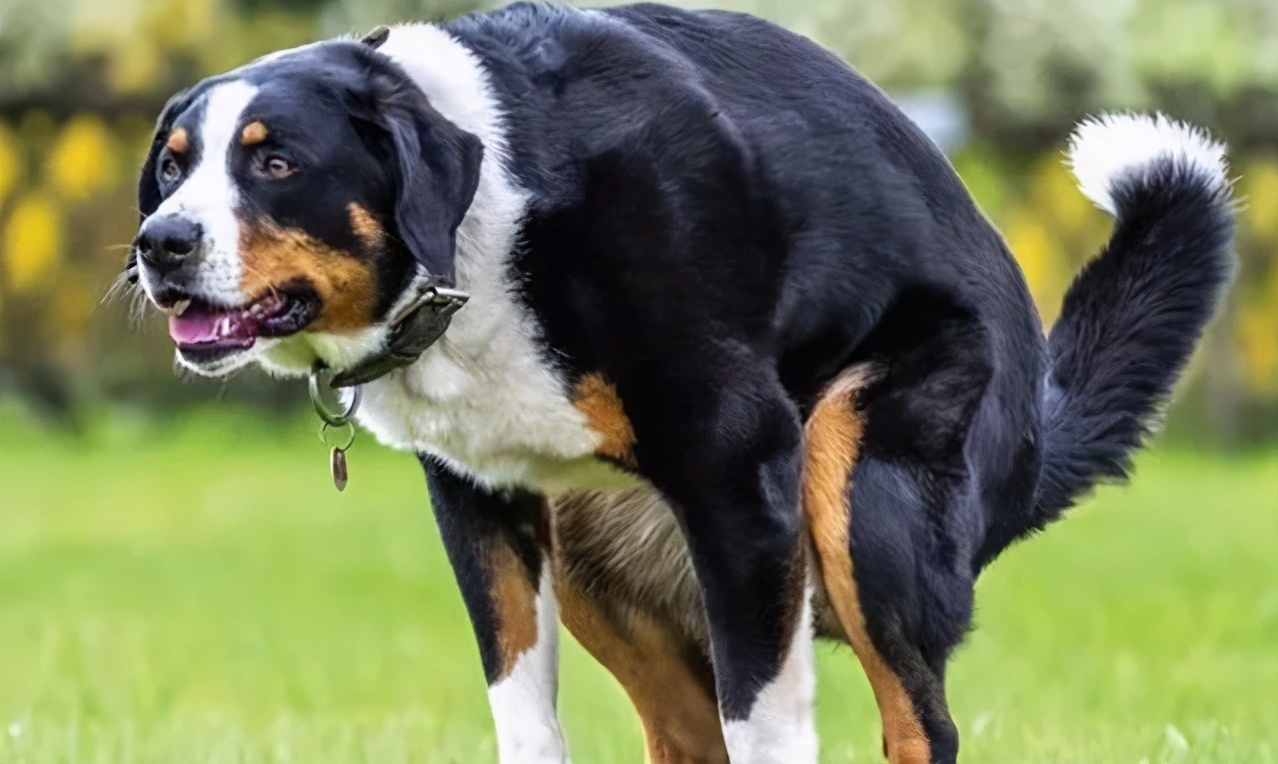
x=909 y=691
x=626 y=591
x=724 y=447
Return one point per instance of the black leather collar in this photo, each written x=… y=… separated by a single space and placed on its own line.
x=413 y=330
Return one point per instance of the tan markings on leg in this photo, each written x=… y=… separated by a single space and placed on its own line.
x=515 y=604
x=627 y=592
x=833 y=434
x=366 y=226
x=253 y=134
x=597 y=399
x=179 y=141
x=274 y=257
x=667 y=678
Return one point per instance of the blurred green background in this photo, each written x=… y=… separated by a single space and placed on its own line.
x=179 y=583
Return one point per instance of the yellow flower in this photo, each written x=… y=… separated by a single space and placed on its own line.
x=1256 y=333
x=1034 y=248
x=137 y=67
x=1056 y=197
x=1257 y=341
x=9 y=161
x=32 y=242
x=80 y=162
x=1260 y=188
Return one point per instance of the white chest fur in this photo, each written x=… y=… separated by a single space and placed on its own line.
x=490 y=407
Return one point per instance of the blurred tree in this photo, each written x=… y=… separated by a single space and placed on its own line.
x=82 y=80
x=345 y=16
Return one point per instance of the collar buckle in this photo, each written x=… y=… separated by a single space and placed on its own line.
x=414 y=328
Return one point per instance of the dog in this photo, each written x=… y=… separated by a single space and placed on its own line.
x=742 y=361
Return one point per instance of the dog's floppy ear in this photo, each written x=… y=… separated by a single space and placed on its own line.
x=148 y=186
x=436 y=165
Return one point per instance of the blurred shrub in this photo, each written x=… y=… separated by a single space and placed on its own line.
x=81 y=82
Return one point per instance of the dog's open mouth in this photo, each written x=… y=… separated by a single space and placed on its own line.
x=204 y=332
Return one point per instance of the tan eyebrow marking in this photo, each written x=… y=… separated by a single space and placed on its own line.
x=254 y=133
x=366 y=226
x=178 y=141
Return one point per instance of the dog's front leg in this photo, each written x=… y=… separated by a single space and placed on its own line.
x=497 y=543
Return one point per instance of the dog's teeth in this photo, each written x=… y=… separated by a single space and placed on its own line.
x=180 y=307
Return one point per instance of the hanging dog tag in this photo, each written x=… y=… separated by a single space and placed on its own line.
x=337 y=465
x=339 y=420
x=337 y=454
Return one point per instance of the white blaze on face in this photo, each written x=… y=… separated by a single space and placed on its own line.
x=208 y=196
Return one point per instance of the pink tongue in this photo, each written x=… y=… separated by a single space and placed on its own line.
x=201 y=323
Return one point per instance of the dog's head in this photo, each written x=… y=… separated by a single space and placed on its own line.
x=289 y=205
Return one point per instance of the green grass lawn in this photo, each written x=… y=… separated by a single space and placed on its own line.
x=197 y=592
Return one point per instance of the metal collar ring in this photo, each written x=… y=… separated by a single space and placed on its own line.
x=336 y=417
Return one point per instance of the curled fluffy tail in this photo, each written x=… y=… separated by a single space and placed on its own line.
x=1133 y=315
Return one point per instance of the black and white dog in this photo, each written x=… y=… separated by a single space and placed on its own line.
x=742 y=362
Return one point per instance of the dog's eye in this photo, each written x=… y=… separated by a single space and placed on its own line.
x=276 y=166
x=169 y=170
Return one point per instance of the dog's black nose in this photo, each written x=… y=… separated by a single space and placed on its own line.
x=166 y=242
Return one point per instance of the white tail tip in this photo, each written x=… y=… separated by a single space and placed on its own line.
x=1115 y=147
